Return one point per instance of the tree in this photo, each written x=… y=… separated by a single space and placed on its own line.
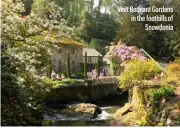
x=85 y=66
x=132 y=33
x=98 y=66
x=25 y=56
x=160 y=44
x=68 y=66
x=87 y=27
x=174 y=40
x=27 y=7
x=98 y=31
x=106 y=27
x=168 y=41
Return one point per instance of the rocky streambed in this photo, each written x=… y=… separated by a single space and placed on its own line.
x=84 y=114
x=80 y=114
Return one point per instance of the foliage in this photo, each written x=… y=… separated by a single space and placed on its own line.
x=177 y=60
x=120 y=53
x=116 y=61
x=70 y=82
x=85 y=66
x=168 y=41
x=178 y=120
x=25 y=56
x=87 y=27
x=137 y=70
x=66 y=82
x=173 y=72
x=99 y=45
x=124 y=52
x=23 y=92
x=129 y=33
x=97 y=30
x=105 y=27
x=50 y=82
x=68 y=66
x=98 y=66
x=163 y=92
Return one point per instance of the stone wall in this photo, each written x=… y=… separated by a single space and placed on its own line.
x=95 y=90
x=59 y=58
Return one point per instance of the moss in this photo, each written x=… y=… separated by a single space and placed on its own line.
x=138 y=97
x=85 y=66
x=119 y=113
x=47 y=123
x=134 y=113
x=136 y=117
x=70 y=82
x=68 y=66
x=89 y=110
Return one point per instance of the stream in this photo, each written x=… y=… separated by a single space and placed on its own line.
x=108 y=107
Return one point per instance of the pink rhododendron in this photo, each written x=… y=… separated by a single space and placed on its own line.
x=124 y=53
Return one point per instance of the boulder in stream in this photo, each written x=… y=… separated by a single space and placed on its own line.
x=88 y=109
x=83 y=109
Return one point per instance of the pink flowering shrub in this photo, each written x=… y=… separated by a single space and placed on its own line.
x=119 y=54
x=125 y=53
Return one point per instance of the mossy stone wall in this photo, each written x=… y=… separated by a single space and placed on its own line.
x=96 y=89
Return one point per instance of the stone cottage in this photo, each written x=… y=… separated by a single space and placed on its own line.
x=60 y=46
x=59 y=50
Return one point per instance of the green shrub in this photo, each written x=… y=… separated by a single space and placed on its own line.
x=85 y=66
x=49 y=82
x=163 y=92
x=98 y=66
x=178 y=120
x=70 y=82
x=116 y=61
x=177 y=60
x=68 y=66
x=173 y=73
x=137 y=70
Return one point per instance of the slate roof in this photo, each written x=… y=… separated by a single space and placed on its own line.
x=91 y=52
x=62 y=40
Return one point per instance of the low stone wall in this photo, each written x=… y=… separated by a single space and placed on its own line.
x=102 y=87
x=95 y=90
x=71 y=93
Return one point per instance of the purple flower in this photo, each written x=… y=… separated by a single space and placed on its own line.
x=125 y=53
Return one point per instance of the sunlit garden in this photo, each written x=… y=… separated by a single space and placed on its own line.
x=83 y=63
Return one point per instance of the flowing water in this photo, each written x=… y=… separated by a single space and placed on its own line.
x=108 y=107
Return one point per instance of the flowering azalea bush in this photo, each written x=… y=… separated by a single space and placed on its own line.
x=125 y=52
x=120 y=53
